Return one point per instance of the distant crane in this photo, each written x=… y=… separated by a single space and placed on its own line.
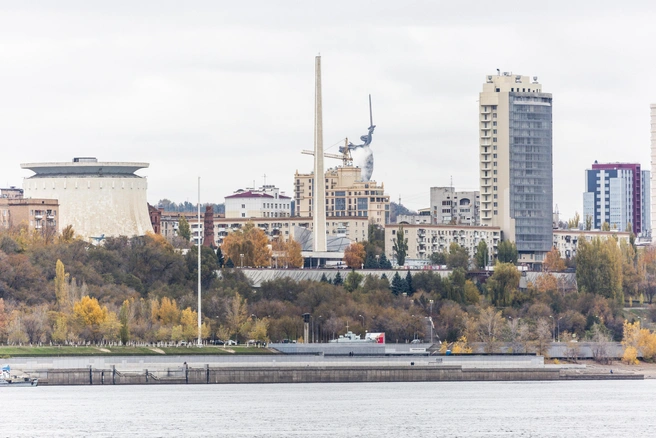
x=345 y=156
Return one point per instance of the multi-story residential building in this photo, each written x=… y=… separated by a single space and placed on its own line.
x=353 y=228
x=37 y=214
x=652 y=187
x=11 y=192
x=615 y=194
x=449 y=206
x=424 y=240
x=515 y=151
x=346 y=195
x=414 y=218
x=566 y=241
x=267 y=201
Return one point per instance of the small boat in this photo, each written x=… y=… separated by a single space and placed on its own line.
x=6 y=379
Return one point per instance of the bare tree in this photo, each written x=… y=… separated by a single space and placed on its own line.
x=600 y=343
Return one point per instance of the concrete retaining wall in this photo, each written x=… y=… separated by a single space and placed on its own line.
x=233 y=375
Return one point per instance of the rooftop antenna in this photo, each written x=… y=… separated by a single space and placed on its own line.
x=265 y=179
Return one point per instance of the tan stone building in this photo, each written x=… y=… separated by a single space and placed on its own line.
x=37 y=214
x=347 y=196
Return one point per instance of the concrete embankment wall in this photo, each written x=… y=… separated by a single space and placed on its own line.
x=228 y=375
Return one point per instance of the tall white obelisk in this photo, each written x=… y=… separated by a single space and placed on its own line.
x=319 y=185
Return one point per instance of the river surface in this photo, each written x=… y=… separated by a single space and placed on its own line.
x=450 y=409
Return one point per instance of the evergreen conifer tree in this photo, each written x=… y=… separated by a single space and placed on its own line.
x=338 y=281
x=398 y=285
x=408 y=281
x=229 y=263
x=219 y=257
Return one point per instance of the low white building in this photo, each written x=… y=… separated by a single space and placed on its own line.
x=265 y=202
x=424 y=240
x=567 y=241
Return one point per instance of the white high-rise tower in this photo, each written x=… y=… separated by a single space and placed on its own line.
x=318 y=185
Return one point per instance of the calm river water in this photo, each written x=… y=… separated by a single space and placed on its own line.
x=480 y=409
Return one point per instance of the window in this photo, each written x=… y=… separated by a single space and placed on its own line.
x=495 y=172
x=494 y=139
x=243 y=205
x=243 y=215
x=494 y=155
x=494 y=131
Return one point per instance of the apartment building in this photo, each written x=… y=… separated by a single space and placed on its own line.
x=424 y=240
x=265 y=202
x=617 y=194
x=448 y=206
x=346 y=195
x=566 y=241
x=515 y=151
x=37 y=214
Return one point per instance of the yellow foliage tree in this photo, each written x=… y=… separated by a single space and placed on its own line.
x=287 y=254
x=61 y=286
x=354 y=255
x=259 y=329
x=165 y=312
x=89 y=312
x=250 y=241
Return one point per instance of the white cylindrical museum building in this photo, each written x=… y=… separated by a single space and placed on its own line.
x=96 y=198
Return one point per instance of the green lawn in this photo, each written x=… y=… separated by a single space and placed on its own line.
x=26 y=351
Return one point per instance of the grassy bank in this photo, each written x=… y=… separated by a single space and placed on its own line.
x=34 y=351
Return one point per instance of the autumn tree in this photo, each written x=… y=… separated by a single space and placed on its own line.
x=89 y=316
x=400 y=246
x=249 y=245
x=354 y=255
x=507 y=252
x=236 y=315
x=553 y=262
x=61 y=286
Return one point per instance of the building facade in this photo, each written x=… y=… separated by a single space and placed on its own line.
x=36 y=214
x=346 y=195
x=424 y=240
x=449 y=206
x=96 y=198
x=515 y=152
x=652 y=187
x=616 y=194
x=265 y=202
x=566 y=241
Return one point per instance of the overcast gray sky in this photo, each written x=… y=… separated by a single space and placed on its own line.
x=224 y=90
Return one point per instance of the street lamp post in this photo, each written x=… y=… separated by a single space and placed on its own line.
x=363 y=324
x=241 y=256
x=430 y=318
x=558 y=326
x=378 y=261
x=553 y=328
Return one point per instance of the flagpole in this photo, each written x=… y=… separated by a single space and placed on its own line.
x=200 y=341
